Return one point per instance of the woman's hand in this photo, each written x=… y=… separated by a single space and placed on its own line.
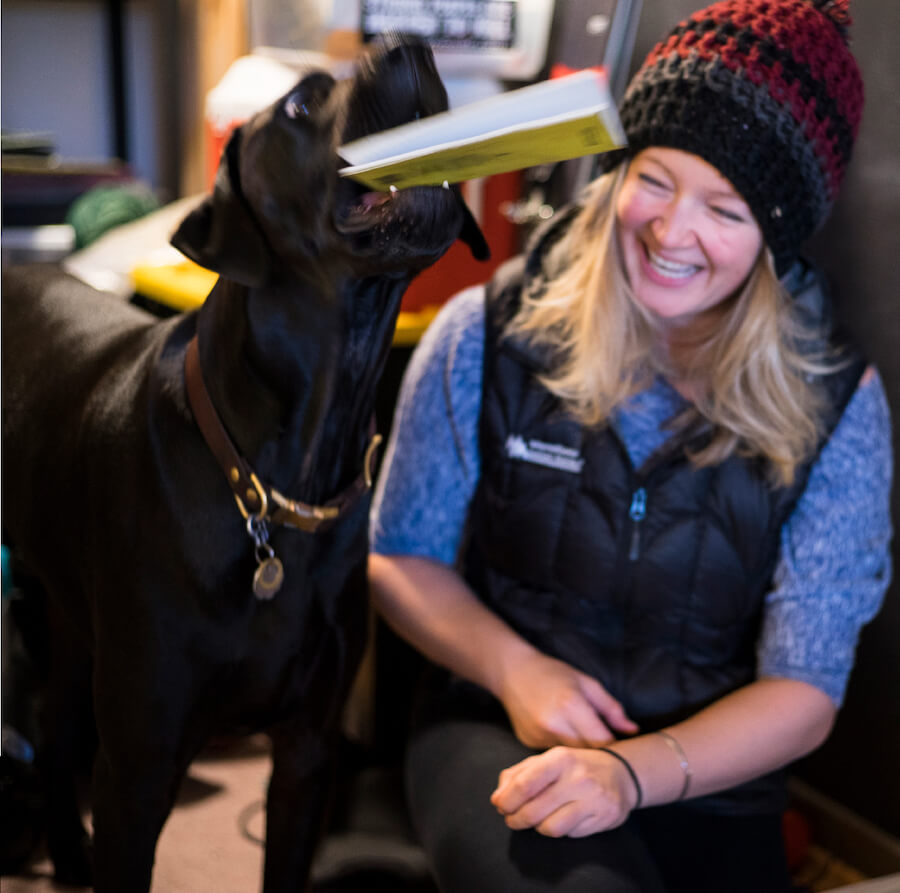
x=565 y=792
x=577 y=791
x=549 y=703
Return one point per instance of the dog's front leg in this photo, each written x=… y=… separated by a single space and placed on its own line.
x=299 y=788
x=131 y=804
x=144 y=709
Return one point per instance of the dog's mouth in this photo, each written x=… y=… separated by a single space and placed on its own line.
x=367 y=209
x=359 y=214
x=394 y=231
x=406 y=227
x=397 y=84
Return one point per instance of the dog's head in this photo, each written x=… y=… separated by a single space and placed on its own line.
x=278 y=200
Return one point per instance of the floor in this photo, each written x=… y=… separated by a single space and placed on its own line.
x=823 y=871
x=212 y=841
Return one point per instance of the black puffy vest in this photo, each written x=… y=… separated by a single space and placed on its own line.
x=652 y=580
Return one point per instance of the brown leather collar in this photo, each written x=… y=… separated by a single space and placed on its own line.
x=254 y=498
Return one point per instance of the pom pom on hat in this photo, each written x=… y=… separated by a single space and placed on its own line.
x=837 y=10
x=769 y=93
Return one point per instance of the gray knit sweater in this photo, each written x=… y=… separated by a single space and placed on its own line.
x=834 y=565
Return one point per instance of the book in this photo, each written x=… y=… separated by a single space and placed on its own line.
x=542 y=123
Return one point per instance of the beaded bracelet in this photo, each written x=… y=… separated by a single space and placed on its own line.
x=631 y=772
x=682 y=761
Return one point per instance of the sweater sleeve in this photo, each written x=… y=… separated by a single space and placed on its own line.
x=835 y=562
x=432 y=464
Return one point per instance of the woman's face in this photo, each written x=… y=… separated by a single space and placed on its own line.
x=687 y=238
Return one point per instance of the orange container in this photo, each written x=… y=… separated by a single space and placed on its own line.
x=215 y=136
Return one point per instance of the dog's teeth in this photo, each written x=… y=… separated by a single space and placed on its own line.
x=393 y=191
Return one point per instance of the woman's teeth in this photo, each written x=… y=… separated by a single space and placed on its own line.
x=670 y=268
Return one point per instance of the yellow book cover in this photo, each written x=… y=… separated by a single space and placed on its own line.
x=543 y=123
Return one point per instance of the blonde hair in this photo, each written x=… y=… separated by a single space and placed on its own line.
x=747 y=373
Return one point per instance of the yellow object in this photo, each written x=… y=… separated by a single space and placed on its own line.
x=545 y=144
x=181 y=286
x=545 y=122
x=184 y=286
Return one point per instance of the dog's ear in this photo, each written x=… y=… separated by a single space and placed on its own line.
x=471 y=232
x=221 y=233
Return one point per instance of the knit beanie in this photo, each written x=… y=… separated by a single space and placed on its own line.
x=768 y=92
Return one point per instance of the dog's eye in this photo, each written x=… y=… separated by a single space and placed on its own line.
x=294 y=106
x=309 y=95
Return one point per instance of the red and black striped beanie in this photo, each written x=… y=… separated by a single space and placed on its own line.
x=769 y=93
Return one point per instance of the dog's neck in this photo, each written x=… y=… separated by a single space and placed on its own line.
x=293 y=376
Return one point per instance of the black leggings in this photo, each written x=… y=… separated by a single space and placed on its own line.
x=452 y=766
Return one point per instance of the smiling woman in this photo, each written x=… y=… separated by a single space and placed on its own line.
x=663 y=271
x=637 y=496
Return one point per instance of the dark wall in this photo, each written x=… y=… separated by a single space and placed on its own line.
x=860 y=250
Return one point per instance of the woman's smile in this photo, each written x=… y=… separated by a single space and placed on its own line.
x=665 y=271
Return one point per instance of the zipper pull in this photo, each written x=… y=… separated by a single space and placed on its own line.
x=637 y=512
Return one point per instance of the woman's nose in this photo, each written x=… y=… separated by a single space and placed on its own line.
x=674 y=226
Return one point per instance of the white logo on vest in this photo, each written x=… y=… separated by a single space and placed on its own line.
x=552 y=455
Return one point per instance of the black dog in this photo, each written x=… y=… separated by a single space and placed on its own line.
x=214 y=580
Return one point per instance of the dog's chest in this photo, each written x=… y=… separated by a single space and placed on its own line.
x=297 y=650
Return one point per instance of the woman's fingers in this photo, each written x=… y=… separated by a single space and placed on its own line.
x=522 y=782
x=612 y=712
x=589 y=824
x=583 y=717
x=538 y=809
x=549 y=702
x=563 y=792
x=588 y=726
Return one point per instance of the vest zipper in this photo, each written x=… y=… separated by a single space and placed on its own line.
x=637 y=513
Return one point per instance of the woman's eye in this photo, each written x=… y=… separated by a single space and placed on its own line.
x=728 y=215
x=652 y=181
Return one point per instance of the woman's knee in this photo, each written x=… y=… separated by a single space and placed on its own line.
x=451 y=770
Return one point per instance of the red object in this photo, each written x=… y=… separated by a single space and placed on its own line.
x=561 y=70
x=457 y=269
x=797 y=837
x=215 y=140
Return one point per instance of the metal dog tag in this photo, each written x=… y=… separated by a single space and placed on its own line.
x=268 y=578
x=269 y=571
